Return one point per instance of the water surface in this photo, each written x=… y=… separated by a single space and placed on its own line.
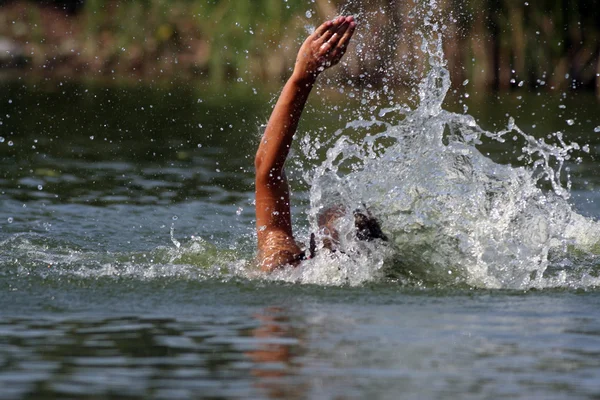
x=126 y=247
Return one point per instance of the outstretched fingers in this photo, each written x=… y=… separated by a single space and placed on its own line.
x=342 y=28
x=325 y=46
x=323 y=35
x=342 y=44
x=322 y=28
x=330 y=38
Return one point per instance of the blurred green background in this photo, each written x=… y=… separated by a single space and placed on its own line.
x=496 y=44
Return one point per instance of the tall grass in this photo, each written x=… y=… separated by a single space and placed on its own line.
x=494 y=43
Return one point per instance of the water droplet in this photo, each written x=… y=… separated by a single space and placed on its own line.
x=570 y=122
x=511 y=124
x=308 y=14
x=91 y=137
x=466 y=81
x=521 y=84
x=10 y=143
x=10 y=220
x=1 y=139
x=40 y=187
x=172 y=232
x=239 y=211
x=175 y=217
x=597 y=129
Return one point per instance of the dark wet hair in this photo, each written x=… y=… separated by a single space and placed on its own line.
x=367 y=226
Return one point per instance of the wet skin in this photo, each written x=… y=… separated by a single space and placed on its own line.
x=321 y=50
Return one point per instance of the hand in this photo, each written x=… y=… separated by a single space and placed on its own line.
x=324 y=48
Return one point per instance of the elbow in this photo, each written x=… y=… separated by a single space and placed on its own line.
x=266 y=173
x=262 y=173
x=258 y=161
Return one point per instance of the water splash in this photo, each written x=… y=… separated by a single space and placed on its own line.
x=454 y=215
x=35 y=256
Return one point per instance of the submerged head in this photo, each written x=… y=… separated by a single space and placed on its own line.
x=367 y=227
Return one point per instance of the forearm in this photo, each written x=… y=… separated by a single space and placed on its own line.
x=321 y=50
x=277 y=139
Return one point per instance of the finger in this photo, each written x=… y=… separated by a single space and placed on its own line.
x=332 y=36
x=345 y=23
x=335 y=38
x=341 y=30
x=323 y=28
x=339 y=50
x=325 y=36
x=343 y=42
x=331 y=29
x=337 y=54
x=325 y=48
x=338 y=20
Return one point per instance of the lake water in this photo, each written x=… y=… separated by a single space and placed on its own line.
x=127 y=240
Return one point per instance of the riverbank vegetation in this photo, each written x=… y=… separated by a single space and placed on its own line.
x=495 y=44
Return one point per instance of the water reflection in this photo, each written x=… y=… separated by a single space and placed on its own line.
x=275 y=359
x=216 y=356
x=320 y=344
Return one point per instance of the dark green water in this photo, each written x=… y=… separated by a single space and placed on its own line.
x=98 y=301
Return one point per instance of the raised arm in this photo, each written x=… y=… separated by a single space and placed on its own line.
x=321 y=50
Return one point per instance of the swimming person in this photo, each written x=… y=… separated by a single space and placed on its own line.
x=276 y=244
